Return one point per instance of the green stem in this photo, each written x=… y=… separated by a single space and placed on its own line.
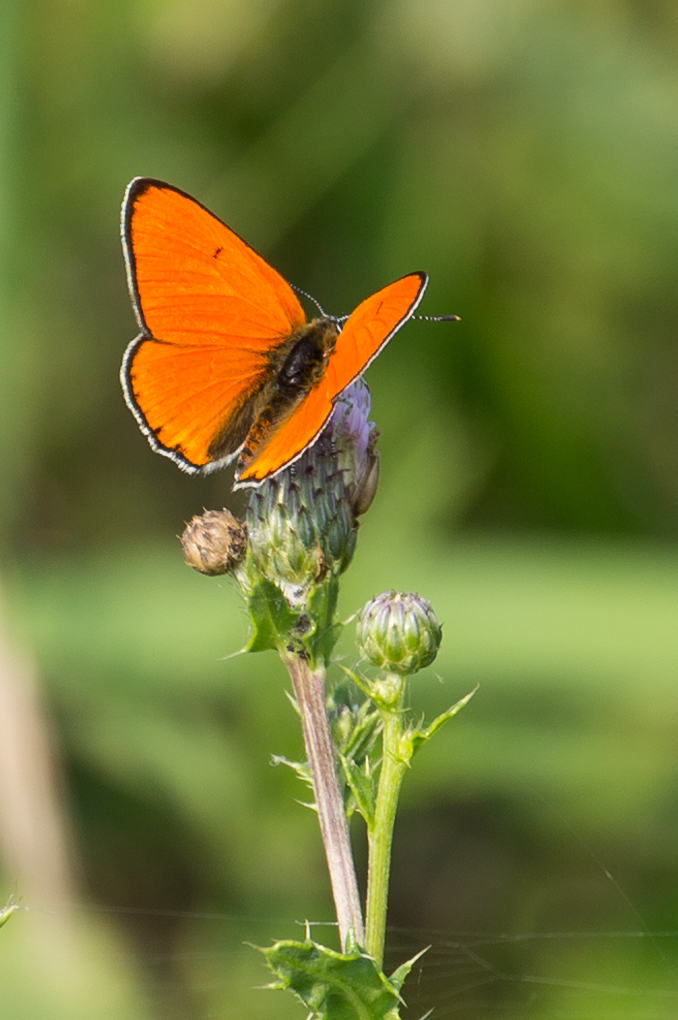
x=393 y=768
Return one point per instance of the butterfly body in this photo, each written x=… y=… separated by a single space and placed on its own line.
x=292 y=379
x=226 y=365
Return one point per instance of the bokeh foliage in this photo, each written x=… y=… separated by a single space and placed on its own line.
x=526 y=155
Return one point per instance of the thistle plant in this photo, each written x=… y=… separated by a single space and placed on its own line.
x=286 y=557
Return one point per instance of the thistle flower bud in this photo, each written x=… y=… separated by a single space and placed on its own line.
x=366 y=486
x=214 y=542
x=356 y=440
x=398 y=632
x=301 y=522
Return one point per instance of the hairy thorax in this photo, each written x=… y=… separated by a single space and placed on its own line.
x=295 y=366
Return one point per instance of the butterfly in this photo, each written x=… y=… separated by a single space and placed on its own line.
x=225 y=365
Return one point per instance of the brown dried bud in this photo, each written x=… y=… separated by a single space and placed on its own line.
x=215 y=542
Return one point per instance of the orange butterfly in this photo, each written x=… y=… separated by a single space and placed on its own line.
x=226 y=364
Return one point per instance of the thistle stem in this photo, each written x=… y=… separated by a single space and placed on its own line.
x=309 y=690
x=393 y=768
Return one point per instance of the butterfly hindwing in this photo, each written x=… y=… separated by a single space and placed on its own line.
x=190 y=396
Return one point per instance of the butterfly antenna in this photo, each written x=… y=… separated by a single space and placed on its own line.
x=310 y=298
x=437 y=318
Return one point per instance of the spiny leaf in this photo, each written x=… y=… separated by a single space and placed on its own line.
x=398 y=976
x=7 y=911
x=335 y=986
x=355 y=723
x=367 y=726
x=270 y=615
x=418 y=737
x=324 y=632
x=301 y=768
x=361 y=783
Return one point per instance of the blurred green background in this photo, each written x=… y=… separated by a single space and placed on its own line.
x=525 y=154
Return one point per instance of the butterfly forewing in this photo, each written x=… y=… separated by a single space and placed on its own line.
x=211 y=310
x=194 y=278
x=370 y=327
x=365 y=332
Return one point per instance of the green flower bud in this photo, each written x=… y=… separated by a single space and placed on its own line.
x=398 y=632
x=215 y=542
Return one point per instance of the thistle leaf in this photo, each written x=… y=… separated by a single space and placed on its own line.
x=270 y=615
x=302 y=768
x=7 y=911
x=361 y=784
x=334 y=986
x=419 y=736
x=398 y=976
x=324 y=633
